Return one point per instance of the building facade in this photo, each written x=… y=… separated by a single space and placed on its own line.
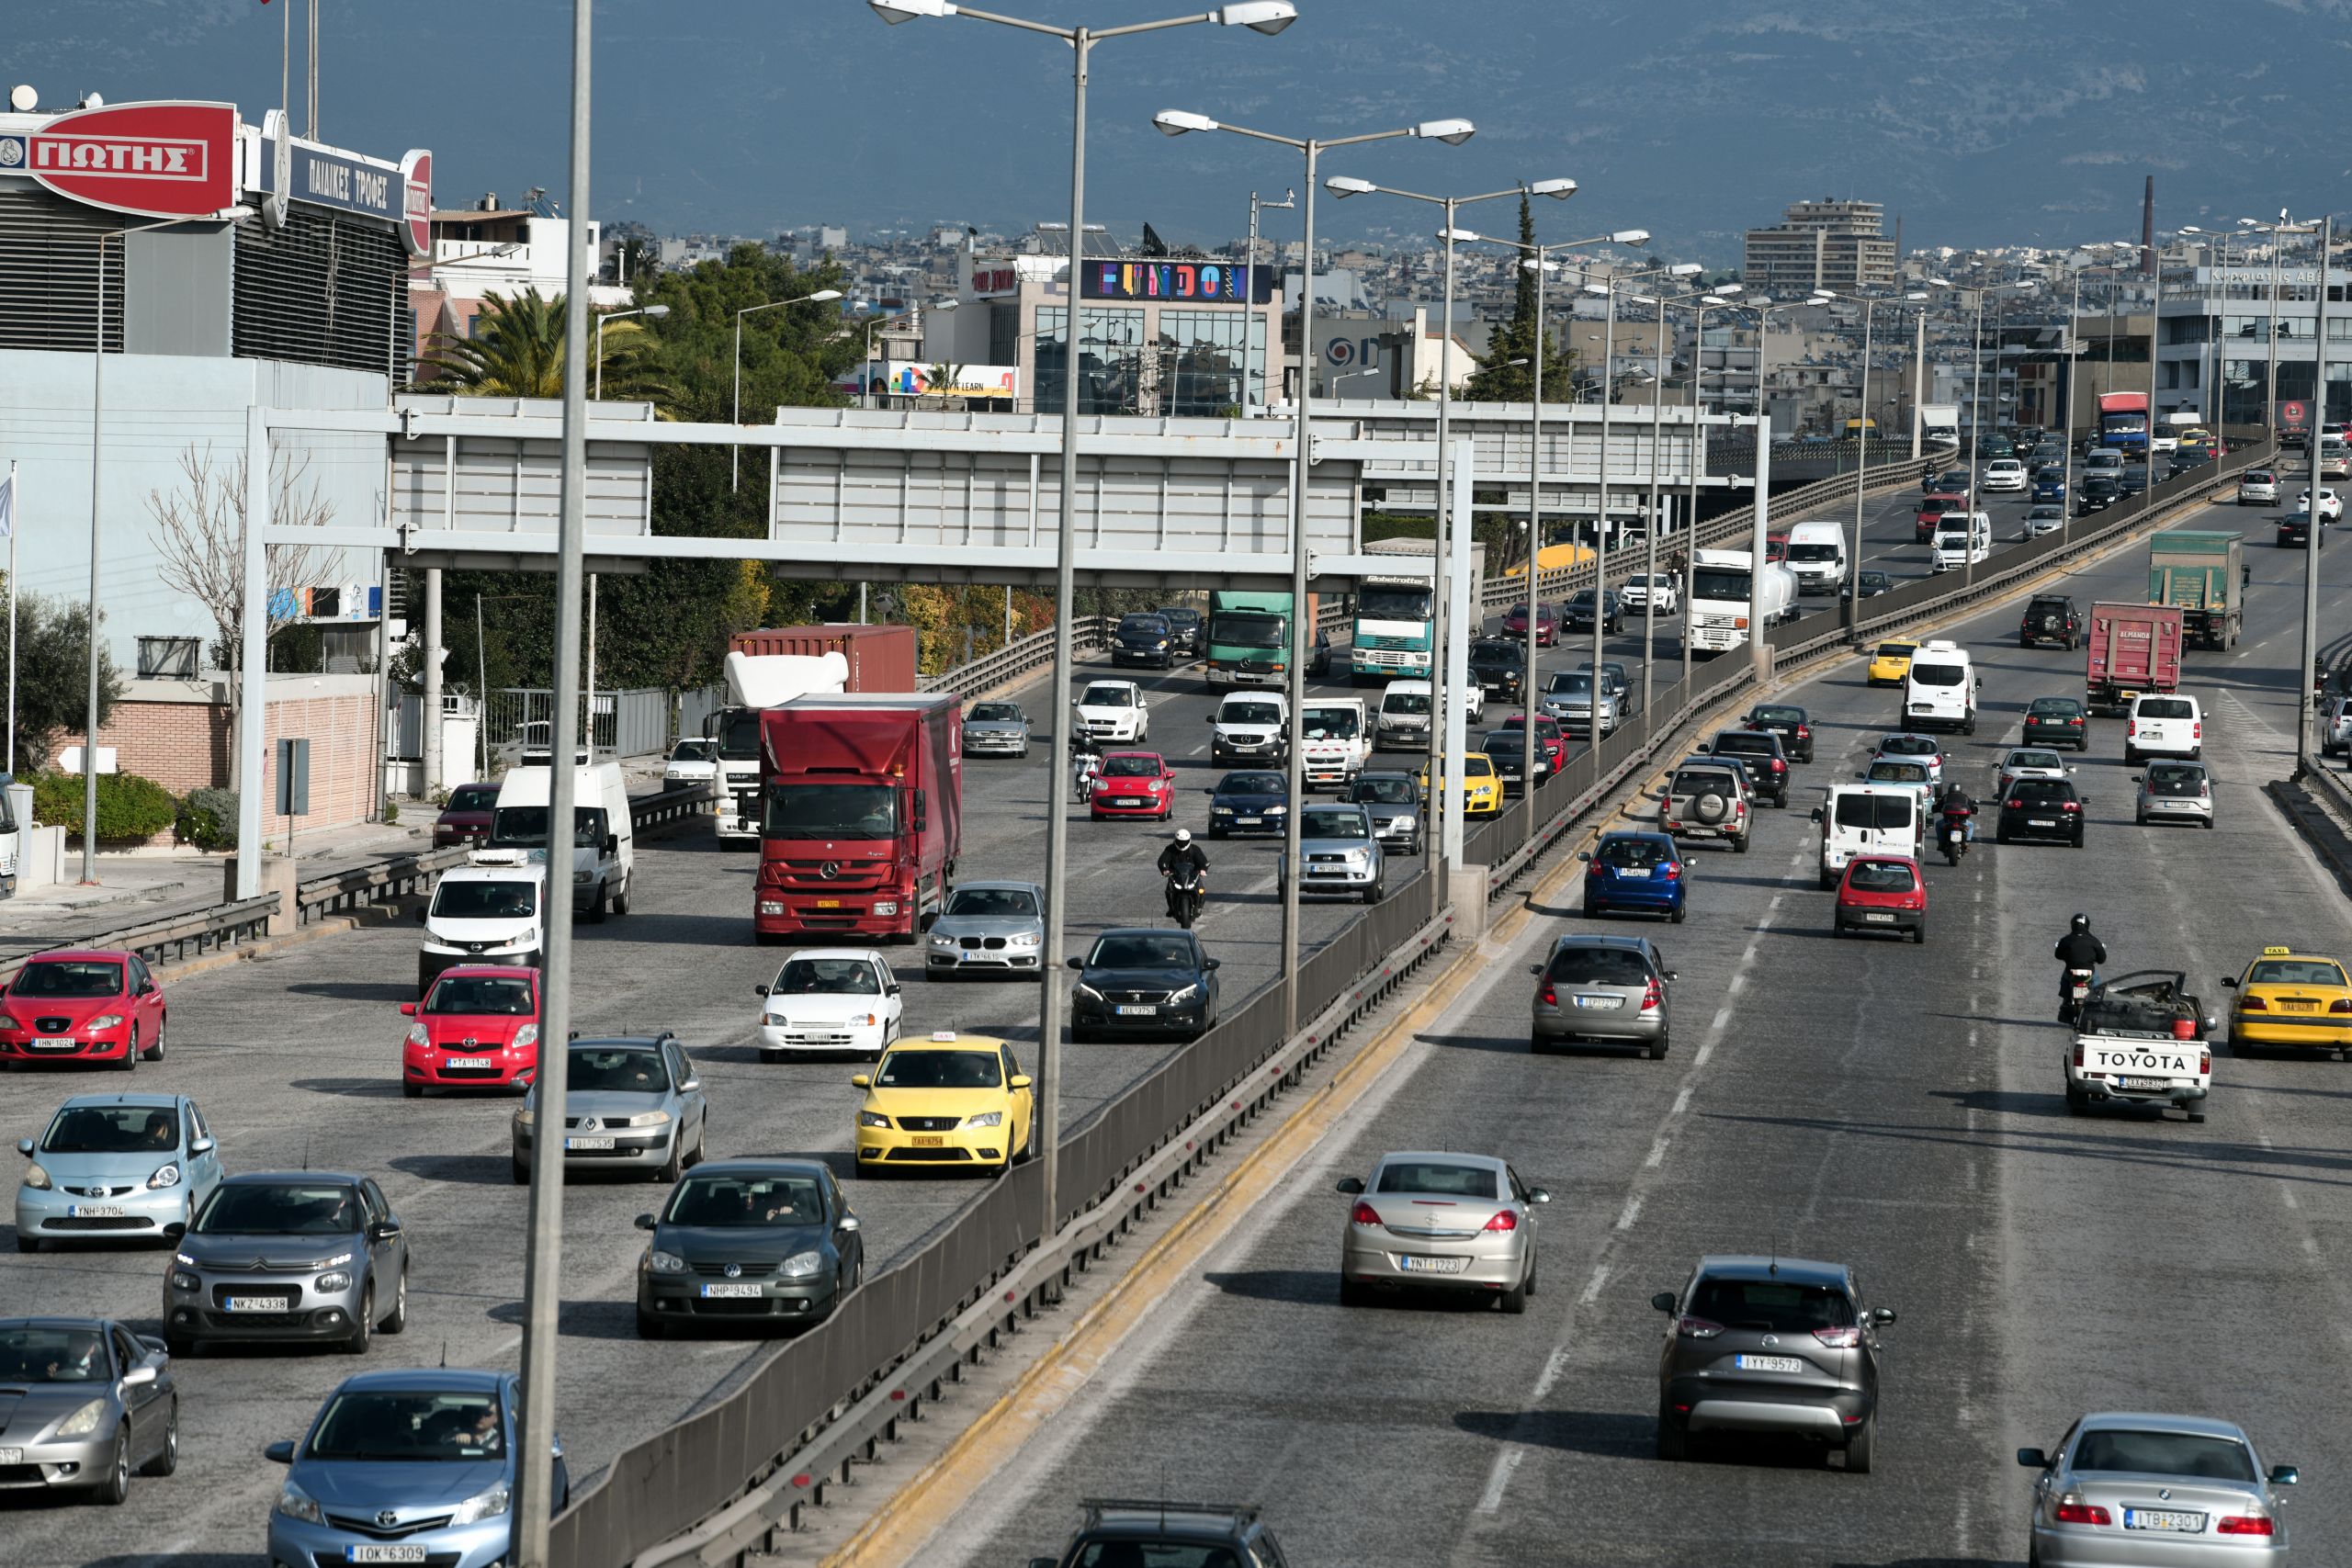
x=1821 y=244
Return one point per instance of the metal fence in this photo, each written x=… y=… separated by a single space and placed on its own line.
x=625 y=723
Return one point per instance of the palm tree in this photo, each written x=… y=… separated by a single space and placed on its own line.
x=517 y=351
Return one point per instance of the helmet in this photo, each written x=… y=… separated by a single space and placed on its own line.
x=1184 y=835
x=2082 y=925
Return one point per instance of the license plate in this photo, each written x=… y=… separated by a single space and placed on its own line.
x=12 y=1456
x=1769 y=1363
x=93 y=1210
x=1634 y=872
x=1601 y=1004
x=2145 y=1083
x=2163 y=1519
x=254 y=1304
x=1248 y=822
x=928 y=1141
x=468 y=1062
x=1432 y=1264
x=1132 y=1010
x=1875 y=915
x=2301 y=1006
x=385 y=1551
x=2039 y=822
x=828 y=902
x=54 y=1042
x=730 y=1290
x=588 y=1143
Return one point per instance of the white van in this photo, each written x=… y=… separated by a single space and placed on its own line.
x=1249 y=727
x=2103 y=460
x=2166 y=724
x=1961 y=541
x=482 y=914
x=1940 y=688
x=1869 y=819
x=1335 y=740
x=603 y=848
x=1817 y=557
x=1402 y=721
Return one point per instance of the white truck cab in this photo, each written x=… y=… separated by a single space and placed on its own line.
x=484 y=914
x=1334 y=739
x=604 y=847
x=1940 y=688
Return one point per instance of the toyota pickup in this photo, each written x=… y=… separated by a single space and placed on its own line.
x=2142 y=1039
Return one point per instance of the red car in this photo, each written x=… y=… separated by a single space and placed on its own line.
x=466 y=818
x=83 y=1005
x=1134 y=783
x=1549 y=735
x=1882 y=892
x=1547 y=624
x=477 y=1028
x=1931 y=509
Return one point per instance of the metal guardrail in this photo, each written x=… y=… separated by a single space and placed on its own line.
x=1034 y=651
x=175 y=939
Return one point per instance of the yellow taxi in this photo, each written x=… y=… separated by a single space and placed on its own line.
x=957 y=1100
x=1892 y=660
x=2296 y=1000
x=1482 y=789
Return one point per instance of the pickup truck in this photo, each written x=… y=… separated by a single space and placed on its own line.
x=1335 y=741
x=2142 y=1039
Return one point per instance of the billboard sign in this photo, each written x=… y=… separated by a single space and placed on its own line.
x=1177 y=282
x=166 y=159
x=416 y=202
x=908 y=379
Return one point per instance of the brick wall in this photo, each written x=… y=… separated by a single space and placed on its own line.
x=180 y=745
x=172 y=732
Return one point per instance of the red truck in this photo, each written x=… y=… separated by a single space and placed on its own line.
x=881 y=659
x=2134 y=648
x=861 y=813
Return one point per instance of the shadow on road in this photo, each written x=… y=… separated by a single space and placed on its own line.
x=580 y=1319
x=355 y=992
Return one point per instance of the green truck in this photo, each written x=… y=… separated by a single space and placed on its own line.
x=2201 y=572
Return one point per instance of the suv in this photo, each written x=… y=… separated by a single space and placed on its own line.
x=1249 y=727
x=1778 y=1345
x=2258 y=487
x=1183 y=629
x=1767 y=763
x=2042 y=808
x=1499 y=666
x=2051 y=617
x=1139 y=1530
x=1708 y=799
x=2164 y=725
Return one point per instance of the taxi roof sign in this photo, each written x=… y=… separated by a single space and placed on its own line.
x=947 y=1036
x=2276 y=951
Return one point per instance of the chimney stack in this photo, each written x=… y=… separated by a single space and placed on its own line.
x=2148 y=230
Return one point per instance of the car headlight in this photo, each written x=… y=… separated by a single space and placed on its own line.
x=483 y=1506
x=1359 y=857
x=182 y=1280
x=986 y=1119
x=1083 y=989
x=169 y=1176
x=1186 y=994
x=419 y=1035
x=337 y=1261
x=297 y=1504
x=800 y=1265
x=83 y=1421
x=331 y=1284
x=183 y=1259
x=527 y=1035
x=525 y=1118
x=872 y=1119
x=648 y=1119
x=105 y=1021
x=663 y=1262
x=1220 y=811
x=941 y=940
x=6 y=1021
x=582 y=878
x=1023 y=938
x=36 y=1178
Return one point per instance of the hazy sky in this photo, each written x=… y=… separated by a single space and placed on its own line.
x=1979 y=121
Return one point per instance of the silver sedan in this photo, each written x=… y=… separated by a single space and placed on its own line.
x=1339 y=853
x=2175 y=792
x=1436 y=1221
x=996 y=729
x=988 y=927
x=2178 y=1490
x=89 y=1403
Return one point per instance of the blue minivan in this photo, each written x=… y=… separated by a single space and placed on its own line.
x=1636 y=873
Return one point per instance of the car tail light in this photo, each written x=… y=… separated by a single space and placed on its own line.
x=2131 y=727
x=2256 y=1004
x=2074 y=1513
x=1547 y=996
x=2197 y=731
x=2243 y=1523
x=1364 y=1214
x=2013 y=805
x=1504 y=1219
x=1672 y=870
x=2077 y=722
x=1803 y=733
x=1653 y=996
x=2205 y=1062
x=1696 y=1328
x=1847 y=1338
x=2341 y=1004
x=1779 y=766
x=2070 y=806
x=2078 y=1052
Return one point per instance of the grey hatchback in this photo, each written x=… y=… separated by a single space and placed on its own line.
x=630 y=1104
x=1770 y=1345
x=1611 y=989
x=758 y=1241
x=310 y=1255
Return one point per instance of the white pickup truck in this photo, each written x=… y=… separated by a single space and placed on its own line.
x=2144 y=1040
x=1335 y=741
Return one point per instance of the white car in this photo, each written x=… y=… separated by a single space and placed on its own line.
x=2330 y=505
x=692 y=762
x=2258 y=487
x=2027 y=762
x=1645 y=586
x=829 y=999
x=1910 y=748
x=2003 y=473
x=1113 y=713
x=1960 y=545
x=2164 y=725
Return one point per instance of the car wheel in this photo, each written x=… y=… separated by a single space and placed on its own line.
x=411 y=1090
x=648 y=1326
x=155 y=1046
x=1676 y=916
x=130 y=1062
x=1673 y=1442
x=1919 y=933
x=1514 y=1301
x=1592 y=909
x=1858 y=1447
x=1372 y=894
x=670 y=1169
x=399 y=1320
x=180 y=1346
x=597 y=905
x=2139 y=820
x=363 y=1332
x=2077 y=1103
x=1826 y=881
x=1657 y=1048
x=2209 y=822
x=772 y=1057
x=1536 y=1045
x=1740 y=843
x=620 y=901
x=167 y=1458
x=521 y=1173
x=2001 y=835
x=114 y=1485
x=1216 y=832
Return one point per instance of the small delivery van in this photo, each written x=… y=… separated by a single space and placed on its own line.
x=1939 y=690
x=1869 y=819
x=604 y=849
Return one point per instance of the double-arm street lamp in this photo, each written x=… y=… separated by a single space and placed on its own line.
x=1761 y=307
x=650 y=312
x=735 y=454
x=1453 y=133
x=1853 y=597
x=1266 y=16
x=1657 y=408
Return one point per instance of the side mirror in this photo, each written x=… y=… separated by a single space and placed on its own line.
x=1076 y=962
x=1539 y=1195
x=279 y=1453
x=1212 y=963
x=848 y=1225
x=420 y=914
x=25 y=1145
x=1672 y=974
x=2229 y=981
x=891 y=989
x=759 y=990
x=138 y=1377
x=385 y=1230
x=689 y=1085
x=645 y=1222
x=1816 y=814
x=202 y=1146
x=612 y=843
x=2284 y=1476
x=2033 y=1459
x=1663 y=1301
x=2211 y=1022
x=408 y=1010
x=1019 y=1080
x=1882 y=1316
x=2136 y=778
x=861 y=1080
x=1351 y=1185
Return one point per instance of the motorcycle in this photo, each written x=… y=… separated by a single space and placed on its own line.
x=2076 y=992
x=1952 y=833
x=1082 y=773
x=1187 y=889
x=2319 y=684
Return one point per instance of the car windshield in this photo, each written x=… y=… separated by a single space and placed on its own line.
x=1392 y=601
x=1898 y=773
x=1503 y=742
x=1178 y=615
x=1719 y=582
x=1001 y=902
x=693 y=751
x=1938 y=674
x=1104 y=695
x=1875 y=580
x=995 y=712
x=1135 y=765
x=278 y=1208
x=2164 y=708
x=742 y=1198
x=34 y=1353
x=526 y=826
x=2053 y=707
x=483 y=796
x=836 y=976
x=2040 y=792
x=625 y=1069
x=1250 y=713
x=1141 y=950
x=2295 y=971
x=1248 y=629
x=1569 y=682
x=486 y=900
x=1772 y=1306
x=1405 y=703
x=2190 y=1454
x=940 y=1069
x=829 y=811
x=1335 y=822
x=1438 y=1179
x=1477 y=767
x=1329 y=723
x=1142 y=625
x=112 y=1130
x=68 y=978
x=418 y=1426
x=1577 y=964
x=1814 y=552
x=2020 y=760
x=1633 y=853
x=1384 y=792
x=1880 y=876
x=476 y=995
x=1253 y=784
x=1877 y=813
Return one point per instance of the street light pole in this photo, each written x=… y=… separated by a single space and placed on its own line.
x=2303 y=761
x=1250 y=276
x=735 y=453
x=2068 y=351
x=650 y=312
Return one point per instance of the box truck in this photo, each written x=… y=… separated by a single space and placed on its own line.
x=2134 y=648
x=2201 y=572
x=771 y=666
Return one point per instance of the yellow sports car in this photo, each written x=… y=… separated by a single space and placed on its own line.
x=953 y=1100
x=1893 y=661
x=1482 y=792
x=2294 y=999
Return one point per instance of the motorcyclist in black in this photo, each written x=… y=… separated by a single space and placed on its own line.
x=1956 y=799
x=2078 y=949
x=1183 y=851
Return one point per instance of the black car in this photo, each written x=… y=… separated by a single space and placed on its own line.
x=1953 y=481
x=2057 y=721
x=1143 y=983
x=1250 y=802
x=2042 y=808
x=1506 y=750
x=1788 y=721
x=1144 y=640
x=1319 y=664
x=2132 y=481
x=2051 y=617
x=1146 y=1530
x=1579 y=611
x=1183 y=629
x=1499 y=666
x=789 y=1215
x=2295 y=530
x=1760 y=751
x=2097 y=493
x=1871 y=583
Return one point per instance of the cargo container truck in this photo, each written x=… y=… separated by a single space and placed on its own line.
x=773 y=666
x=2201 y=573
x=2133 y=649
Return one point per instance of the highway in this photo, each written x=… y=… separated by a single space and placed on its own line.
x=1893 y=1107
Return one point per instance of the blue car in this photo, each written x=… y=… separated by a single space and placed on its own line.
x=2048 y=486
x=1249 y=801
x=410 y=1466
x=1640 y=873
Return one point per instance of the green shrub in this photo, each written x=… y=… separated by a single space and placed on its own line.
x=129 y=807
x=207 y=819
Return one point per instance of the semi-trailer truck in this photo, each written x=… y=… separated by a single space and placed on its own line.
x=2201 y=572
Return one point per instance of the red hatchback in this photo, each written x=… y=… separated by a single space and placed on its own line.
x=1134 y=783
x=1547 y=624
x=1549 y=735
x=83 y=1005
x=477 y=1028
x=1882 y=893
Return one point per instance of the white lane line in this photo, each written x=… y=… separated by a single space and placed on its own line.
x=1681 y=1101
x=1506 y=1464
x=1591 y=1294
x=2288 y=1194
x=1723 y=1016
x=1657 y=1153
x=1632 y=1212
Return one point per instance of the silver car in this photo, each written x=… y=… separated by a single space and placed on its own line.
x=2173 y=792
x=988 y=927
x=996 y=729
x=1394 y=804
x=1567 y=696
x=116 y=1165
x=2335 y=727
x=631 y=1104
x=298 y=1256
x=1339 y=854
x=88 y=1403
x=1616 y=681
x=1610 y=990
x=2178 y=1490
x=1441 y=1221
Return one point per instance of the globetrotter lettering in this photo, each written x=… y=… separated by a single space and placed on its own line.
x=143 y=158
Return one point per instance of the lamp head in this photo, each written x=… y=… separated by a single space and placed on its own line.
x=656 y=312
x=819 y=297
x=1559 y=190
x=1685 y=269
x=1267 y=16
x=1456 y=236
x=1630 y=237
x=1731 y=289
x=1939 y=282
x=1452 y=132
x=1712 y=300
x=1596 y=288
x=1176 y=122
x=937 y=304
x=1346 y=185
x=896 y=11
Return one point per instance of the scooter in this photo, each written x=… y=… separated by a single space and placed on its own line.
x=1082 y=773
x=1953 y=834
x=1187 y=889
x=2077 y=991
